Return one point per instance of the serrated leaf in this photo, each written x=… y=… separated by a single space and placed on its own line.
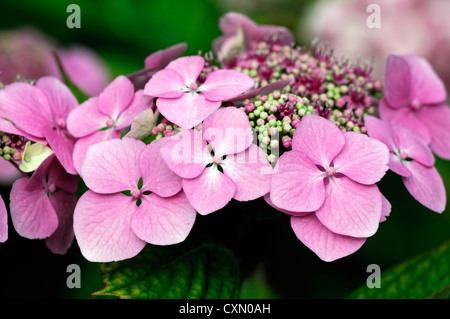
x=443 y=294
x=194 y=269
x=417 y=278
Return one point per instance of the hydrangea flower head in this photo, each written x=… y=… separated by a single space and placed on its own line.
x=186 y=102
x=411 y=158
x=116 y=217
x=415 y=99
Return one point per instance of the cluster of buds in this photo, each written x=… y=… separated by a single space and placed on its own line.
x=335 y=88
x=11 y=146
x=164 y=128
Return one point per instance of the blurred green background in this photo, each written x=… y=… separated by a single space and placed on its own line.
x=123 y=33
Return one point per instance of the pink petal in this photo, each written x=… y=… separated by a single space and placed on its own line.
x=189 y=67
x=416 y=148
x=86 y=119
x=318 y=138
x=209 y=192
x=228 y=131
x=275 y=35
x=380 y=130
x=350 y=208
x=363 y=159
x=61 y=100
x=27 y=107
x=268 y=201
x=137 y=106
x=83 y=144
x=163 y=221
x=162 y=58
x=3 y=221
x=426 y=86
x=116 y=97
x=32 y=212
x=166 y=84
x=62 y=146
x=156 y=175
x=188 y=110
x=397 y=82
x=265 y=90
x=113 y=166
x=8 y=173
x=64 y=204
x=298 y=184
x=250 y=172
x=437 y=120
x=385 y=210
x=186 y=153
x=102 y=227
x=230 y=22
x=426 y=186
x=404 y=117
x=221 y=85
x=328 y=245
x=397 y=166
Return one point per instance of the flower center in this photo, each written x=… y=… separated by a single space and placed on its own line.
x=61 y=123
x=51 y=188
x=193 y=86
x=330 y=171
x=415 y=104
x=403 y=155
x=217 y=160
x=110 y=123
x=135 y=193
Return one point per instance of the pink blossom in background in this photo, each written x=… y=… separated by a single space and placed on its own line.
x=414 y=97
x=102 y=117
x=41 y=110
x=411 y=158
x=28 y=53
x=185 y=102
x=42 y=206
x=245 y=171
x=3 y=221
x=407 y=27
x=328 y=183
x=110 y=225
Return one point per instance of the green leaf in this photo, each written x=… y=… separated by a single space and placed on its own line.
x=194 y=269
x=417 y=278
x=443 y=294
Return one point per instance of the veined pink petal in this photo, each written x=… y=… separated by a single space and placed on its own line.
x=57 y=175
x=26 y=106
x=163 y=221
x=228 y=131
x=386 y=209
x=250 y=172
x=397 y=166
x=64 y=204
x=426 y=86
x=162 y=58
x=188 y=110
x=60 y=99
x=363 y=159
x=426 y=186
x=326 y=244
x=221 y=85
x=298 y=184
x=83 y=144
x=86 y=119
x=381 y=131
x=415 y=148
x=186 y=153
x=32 y=212
x=404 y=117
x=157 y=177
x=62 y=146
x=116 y=97
x=102 y=227
x=210 y=191
x=397 y=82
x=113 y=166
x=166 y=84
x=3 y=222
x=138 y=105
x=268 y=201
x=437 y=120
x=350 y=208
x=318 y=138
x=189 y=67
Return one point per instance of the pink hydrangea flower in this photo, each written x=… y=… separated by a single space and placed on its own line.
x=109 y=225
x=327 y=182
x=411 y=158
x=3 y=221
x=42 y=206
x=102 y=117
x=183 y=101
x=219 y=163
x=415 y=99
x=41 y=111
x=239 y=32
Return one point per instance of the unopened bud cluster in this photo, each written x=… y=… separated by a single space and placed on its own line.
x=11 y=146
